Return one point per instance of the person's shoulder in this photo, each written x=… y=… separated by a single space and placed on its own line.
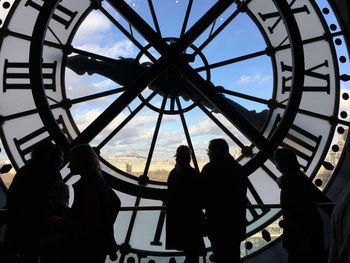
x=207 y=167
x=171 y=174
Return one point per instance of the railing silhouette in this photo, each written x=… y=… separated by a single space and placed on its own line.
x=3 y=211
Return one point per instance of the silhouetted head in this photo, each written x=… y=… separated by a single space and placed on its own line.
x=285 y=160
x=218 y=149
x=183 y=154
x=47 y=152
x=83 y=160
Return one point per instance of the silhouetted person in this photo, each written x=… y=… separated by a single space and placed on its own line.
x=94 y=208
x=224 y=187
x=27 y=200
x=184 y=218
x=55 y=236
x=340 y=229
x=302 y=227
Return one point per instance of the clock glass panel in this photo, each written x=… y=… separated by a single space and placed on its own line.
x=185 y=81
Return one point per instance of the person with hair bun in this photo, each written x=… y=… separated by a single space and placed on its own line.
x=93 y=211
x=184 y=217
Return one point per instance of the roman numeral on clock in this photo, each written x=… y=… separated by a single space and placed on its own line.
x=311 y=72
x=62 y=14
x=277 y=18
x=27 y=143
x=16 y=76
x=159 y=229
x=302 y=142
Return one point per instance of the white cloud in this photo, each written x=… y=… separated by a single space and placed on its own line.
x=104 y=84
x=84 y=119
x=266 y=78
x=246 y=79
x=124 y=48
x=204 y=126
x=92 y=28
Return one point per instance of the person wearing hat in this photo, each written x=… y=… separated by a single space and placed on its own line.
x=184 y=217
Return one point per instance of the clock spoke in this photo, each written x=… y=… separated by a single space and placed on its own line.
x=172 y=103
x=95 y=96
x=17 y=115
x=8 y=32
x=161 y=220
x=130 y=229
x=154 y=17
x=155 y=136
x=212 y=35
x=331 y=119
x=244 y=96
x=257 y=200
x=267 y=51
x=222 y=126
x=187 y=134
x=235 y=60
x=65 y=103
x=202 y=24
x=118 y=105
x=123 y=123
x=269 y=172
x=187 y=15
x=55 y=35
x=140 y=25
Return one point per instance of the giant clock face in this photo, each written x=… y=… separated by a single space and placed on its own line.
x=136 y=79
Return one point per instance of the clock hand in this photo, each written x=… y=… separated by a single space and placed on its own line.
x=124 y=71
